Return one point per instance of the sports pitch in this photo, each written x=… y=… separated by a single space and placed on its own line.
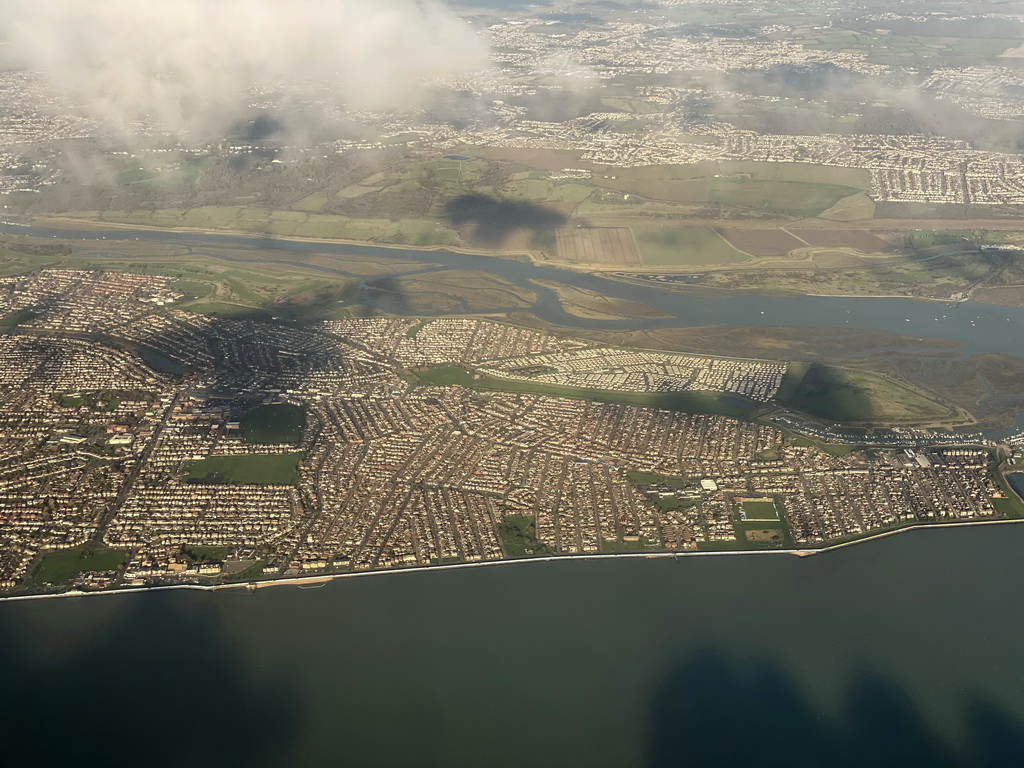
x=759 y=510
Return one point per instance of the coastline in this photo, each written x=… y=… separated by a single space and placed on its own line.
x=316 y=581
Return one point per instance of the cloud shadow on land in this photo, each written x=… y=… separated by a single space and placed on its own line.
x=493 y=220
x=385 y=295
x=710 y=711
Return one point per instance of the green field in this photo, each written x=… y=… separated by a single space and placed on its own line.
x=686 y=402
x=796 y=189
x=852 y=208
x=842 y=395
x=682 y=191
x=231 y=311
x=1011 y=505
x=195 y=289
x=206 y=554
x=62 y=566
x=759 y=511
x=15 y=319
x=252 y=573
x=254 y=469
x=832 y=175
x=295 y=223
x=624 y=546
x=446 y=376
x=666 y=246
x=274 y=424
x=1009 y=508
x=519 y=536
x=803 y=199
x=926 y=238
x=414 y=331
x=753 y=535
x=652 y=478
x=542 y=190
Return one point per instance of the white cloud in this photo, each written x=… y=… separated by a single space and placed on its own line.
x=186 y=63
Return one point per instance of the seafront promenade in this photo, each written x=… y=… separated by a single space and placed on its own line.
x=320 y=580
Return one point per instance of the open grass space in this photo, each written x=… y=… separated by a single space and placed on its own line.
x=759 y=510
x=223 y=309
x=274 y=424
x=753 y=535
x=853 y=208
x=684 y=246
x=846 y=274
x=842 y=395
x=686 y=402
x=858 y=239
x=15 y=319
x=252 y=572
x=624 y=546
x=796 y=189
x=767 y=534
x=445 y=376
x=304 y=222
x=194 y=289
x=927 y=238
x=1011 y=504
x=206 y=554
x=518 y=535
x=652 y=478
x=541 y=190
x=62 y=566
x=255 y=469
x=802 y=199
x=764 y=243
x=1008 y=508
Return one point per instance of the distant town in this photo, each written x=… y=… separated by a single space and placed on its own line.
x=631 y=90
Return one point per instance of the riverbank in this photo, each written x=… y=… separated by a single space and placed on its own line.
x=310 y=582
x=56 y=222
x=973 y=327
x=539 y=258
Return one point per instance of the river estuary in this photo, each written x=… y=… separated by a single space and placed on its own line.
x=978 y=328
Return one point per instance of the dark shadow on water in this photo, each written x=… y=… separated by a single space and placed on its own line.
x=159 y=685
x=494 y=220
x=712 y=711
x=996 y=738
